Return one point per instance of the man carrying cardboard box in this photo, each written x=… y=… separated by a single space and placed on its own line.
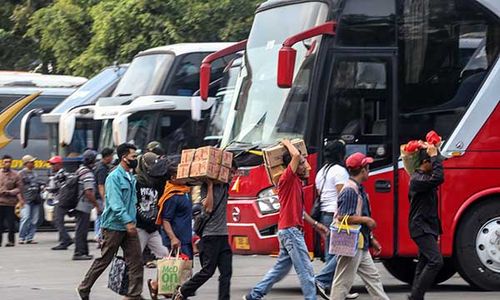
x=293 y=249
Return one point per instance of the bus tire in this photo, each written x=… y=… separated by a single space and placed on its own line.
x=477 y=246
x=403 y=269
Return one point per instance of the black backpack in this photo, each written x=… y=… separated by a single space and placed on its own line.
x=67 y=197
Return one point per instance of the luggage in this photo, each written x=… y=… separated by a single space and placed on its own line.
x=118 y=276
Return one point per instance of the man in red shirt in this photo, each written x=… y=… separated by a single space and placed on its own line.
x=293 y=249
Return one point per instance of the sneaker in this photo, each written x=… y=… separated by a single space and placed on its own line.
x=321 y=291
x=83 y=257
x=21 y=242
x=82 y=295
x=33 y=242
x=352 y=296
x=60 y=247
x=9 y=244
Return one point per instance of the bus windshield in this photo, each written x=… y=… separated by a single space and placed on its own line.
x=263 y=111
x=145 y=75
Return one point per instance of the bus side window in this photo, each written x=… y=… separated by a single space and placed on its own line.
x=358 y=107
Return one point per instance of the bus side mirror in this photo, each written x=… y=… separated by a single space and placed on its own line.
x=206 y=65
x=286 y=66
x=67 y=124
x=205 y=70
x=287 y=55
x=25 y=125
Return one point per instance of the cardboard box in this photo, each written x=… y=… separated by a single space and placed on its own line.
x=224 y=174
x=204 y=169
x=227 y=159
x=187 y=156
x=183 y=171
x=274 y=174
x=273 y=156
x=208 y=153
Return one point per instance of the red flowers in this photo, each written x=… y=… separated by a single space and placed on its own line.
x=413 y=146
x=433 y=138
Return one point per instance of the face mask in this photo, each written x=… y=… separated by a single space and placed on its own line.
x=132 y=163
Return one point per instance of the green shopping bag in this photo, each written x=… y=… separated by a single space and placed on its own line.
x=172 y=272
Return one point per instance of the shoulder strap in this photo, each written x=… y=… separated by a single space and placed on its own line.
x=328 y=167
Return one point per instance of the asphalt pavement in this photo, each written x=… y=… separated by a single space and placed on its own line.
x=36 y=272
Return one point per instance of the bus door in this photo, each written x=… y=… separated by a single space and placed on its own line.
x=360 y=110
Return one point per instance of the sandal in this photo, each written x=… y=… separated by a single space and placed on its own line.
x=152 y=293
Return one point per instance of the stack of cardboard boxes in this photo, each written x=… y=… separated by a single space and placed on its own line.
x=273 y=159
x=205 y=163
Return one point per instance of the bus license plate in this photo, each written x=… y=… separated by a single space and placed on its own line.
x=241 y=242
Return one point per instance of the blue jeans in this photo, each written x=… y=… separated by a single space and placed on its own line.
x=325 y=276
x=29 y=221
x=293 y=251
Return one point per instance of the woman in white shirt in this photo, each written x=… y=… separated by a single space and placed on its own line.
x=329 y=181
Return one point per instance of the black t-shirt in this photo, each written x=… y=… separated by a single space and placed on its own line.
x=147 y=206
x=101 y=173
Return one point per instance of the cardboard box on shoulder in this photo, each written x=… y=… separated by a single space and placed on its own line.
x=224 y=174
x=183 y=171
x=274 y=174
x=208 y=153
x=187 y=156
x=227 y=159
x=204 y=169
x=273 y=155
x=273 y=159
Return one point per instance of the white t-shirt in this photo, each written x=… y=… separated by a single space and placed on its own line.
x=336 y=175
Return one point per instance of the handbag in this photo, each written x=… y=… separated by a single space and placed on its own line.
x=118 y=276
x=345 y=239
x=172 y=272
x=316 y=208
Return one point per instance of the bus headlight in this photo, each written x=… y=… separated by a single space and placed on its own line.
x=268 y=202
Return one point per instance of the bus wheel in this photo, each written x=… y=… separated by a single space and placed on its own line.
x=477 y=246
x=403 y=269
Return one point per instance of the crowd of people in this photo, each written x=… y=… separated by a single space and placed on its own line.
x=140 y=204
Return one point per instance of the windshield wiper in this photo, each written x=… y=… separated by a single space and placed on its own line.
x=245 y=145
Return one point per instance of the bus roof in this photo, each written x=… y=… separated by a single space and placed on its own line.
x=37 y=80
x=30 y=90
x=179 y=49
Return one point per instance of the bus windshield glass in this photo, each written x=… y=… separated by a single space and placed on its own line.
x=263 y=111
x=145 y=75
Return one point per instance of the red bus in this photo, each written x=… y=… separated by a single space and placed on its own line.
x=376 y=74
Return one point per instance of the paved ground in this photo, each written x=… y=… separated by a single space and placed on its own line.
x=36 y=272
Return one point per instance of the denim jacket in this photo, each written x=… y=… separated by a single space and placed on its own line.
x=121 y=199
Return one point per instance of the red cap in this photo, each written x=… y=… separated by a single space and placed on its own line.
x=55 y=160
x=358 y=160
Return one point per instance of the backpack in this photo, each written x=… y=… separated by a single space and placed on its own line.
x=67 y=197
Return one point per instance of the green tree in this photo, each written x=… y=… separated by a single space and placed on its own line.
x=123 y=28
x=62 y=30
x=18 y=52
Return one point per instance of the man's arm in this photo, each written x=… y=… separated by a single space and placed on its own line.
x=102 y=191
x=208 y=202
x=175 y=243
x=294 y=153
x=169 y=208
x=19 y=187
x=319 y=227
x=420 y=183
